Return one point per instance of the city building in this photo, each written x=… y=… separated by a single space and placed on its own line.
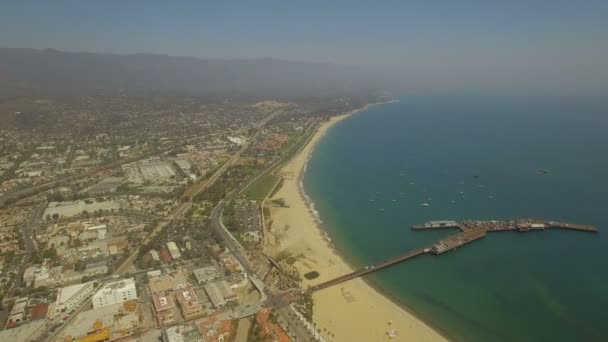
x=206 y=274
x=214 y=330
x=96 y=268
x=174 y=250
x=17 y=313
x=39 y=311
x=154 y=255
x=68 y=297
x=173 y=334
x=115 y=292
x=73 y=208
x=189 y=304
x=164 y=254
x=219 y=293
x=183 y=333
x=164 y=308
x=231 y=265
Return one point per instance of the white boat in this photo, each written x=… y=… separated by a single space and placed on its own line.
x=424 y=204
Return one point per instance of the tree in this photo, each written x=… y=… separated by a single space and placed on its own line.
x=280 y=202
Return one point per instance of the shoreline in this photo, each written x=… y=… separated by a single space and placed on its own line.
x=305 y=240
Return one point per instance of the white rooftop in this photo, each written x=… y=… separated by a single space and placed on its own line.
x=65 y=293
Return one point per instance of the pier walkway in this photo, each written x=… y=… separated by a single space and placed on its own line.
x=369 y=269
x=469 y=231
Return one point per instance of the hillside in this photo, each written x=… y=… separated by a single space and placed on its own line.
x=26 y=72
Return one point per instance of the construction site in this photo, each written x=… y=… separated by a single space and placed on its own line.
x=107 y=323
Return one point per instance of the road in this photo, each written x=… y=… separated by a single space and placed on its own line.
x=33 y=190
x=177 y=212
x=242 y=333
x=27 y=231
x=28 y=227
x=195 y=190
x=276 y=301
x=282 y=307
x=200 y=186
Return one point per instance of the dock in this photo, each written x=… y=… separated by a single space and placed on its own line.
x=469 y=231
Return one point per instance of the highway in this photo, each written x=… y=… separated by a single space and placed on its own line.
x=177 y=212
x=33 y=190
x=274 y=300
x=200 y=186
x=195 y=189
x=27 y=231
x=28 y=227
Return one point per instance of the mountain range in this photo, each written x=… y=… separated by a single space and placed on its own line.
x=50 y=72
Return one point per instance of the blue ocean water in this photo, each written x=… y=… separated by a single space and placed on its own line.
x=369 y=175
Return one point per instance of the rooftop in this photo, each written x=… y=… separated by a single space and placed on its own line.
x=162 y=302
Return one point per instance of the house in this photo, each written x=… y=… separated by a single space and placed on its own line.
x=164 y=254
x=39 y=311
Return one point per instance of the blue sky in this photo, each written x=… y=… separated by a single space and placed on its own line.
x=474 y=42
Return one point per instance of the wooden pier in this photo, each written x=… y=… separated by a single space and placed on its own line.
x=469 y=231
x=369 y=269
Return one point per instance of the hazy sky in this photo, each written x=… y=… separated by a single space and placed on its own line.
x=542 y=44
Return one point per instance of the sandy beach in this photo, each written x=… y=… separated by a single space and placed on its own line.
x=352 y=311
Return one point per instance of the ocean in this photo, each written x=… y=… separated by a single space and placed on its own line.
x=476 y=157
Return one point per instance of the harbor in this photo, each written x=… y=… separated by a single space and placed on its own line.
x=470 y=231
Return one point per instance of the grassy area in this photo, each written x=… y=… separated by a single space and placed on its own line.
x=265 y=184
x=261 y=187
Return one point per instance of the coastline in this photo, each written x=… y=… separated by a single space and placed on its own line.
x=296 y=231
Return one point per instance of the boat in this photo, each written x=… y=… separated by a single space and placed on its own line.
x=424 y=204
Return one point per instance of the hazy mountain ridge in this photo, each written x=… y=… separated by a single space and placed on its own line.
x=51 y=72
